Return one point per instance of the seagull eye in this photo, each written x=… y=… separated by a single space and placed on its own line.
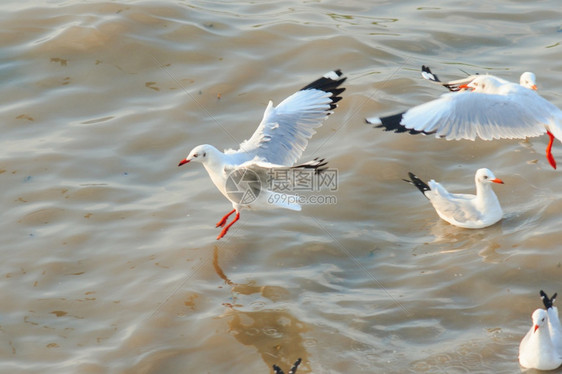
x=483 y=86
x=485 y=177
x=195 y=155
x=204 y=154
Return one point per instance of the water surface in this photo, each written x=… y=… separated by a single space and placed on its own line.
x=110 y=262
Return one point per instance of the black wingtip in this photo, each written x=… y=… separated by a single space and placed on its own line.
x=293 y=370
x=547 y=301
x=295 y=366
x=329 y=82
x=318 y=164
x=394 y=123
x=427 y=74
x=420 y=185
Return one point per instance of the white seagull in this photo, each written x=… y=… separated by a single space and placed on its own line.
x=554 y=327
x=486 y=107
x=464 y=210
x=527 y=79
x=536 y=350
x=242 y=175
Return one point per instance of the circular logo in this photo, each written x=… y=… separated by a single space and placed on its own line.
x=243 y=186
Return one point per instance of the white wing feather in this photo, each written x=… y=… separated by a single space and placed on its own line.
x=284 y=131
x=452 y=206
x=468 y=115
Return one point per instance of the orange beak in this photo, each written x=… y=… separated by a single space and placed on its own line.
x=497 y=180
x=536 y=328
x=184 y=161
x=465 y=87
x=534 y=87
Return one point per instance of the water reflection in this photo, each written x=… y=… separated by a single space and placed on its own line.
x=263 y=324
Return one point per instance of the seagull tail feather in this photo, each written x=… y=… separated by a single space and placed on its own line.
x=421 y=185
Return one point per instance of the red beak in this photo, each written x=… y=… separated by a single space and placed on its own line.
x=534 y=87
x=536 y=328
x=465 y=87
x=497 y=180
x=184 y=161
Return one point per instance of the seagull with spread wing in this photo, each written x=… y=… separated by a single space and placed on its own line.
x=483 y=106
x=279 y=141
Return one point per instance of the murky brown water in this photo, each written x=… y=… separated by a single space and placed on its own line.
x=109 y=257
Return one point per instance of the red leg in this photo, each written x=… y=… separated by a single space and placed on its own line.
x=225 y=230
x=549 y=156
x=223 y=220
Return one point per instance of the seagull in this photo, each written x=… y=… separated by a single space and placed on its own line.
x=554 y=327
x=527 y=79
x=242 y=175
x=464 y=210
x=536 y=350
x=486 y=107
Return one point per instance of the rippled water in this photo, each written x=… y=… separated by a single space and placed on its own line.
x=110 y=263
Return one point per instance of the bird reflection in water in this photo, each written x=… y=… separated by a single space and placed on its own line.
x=266 y=322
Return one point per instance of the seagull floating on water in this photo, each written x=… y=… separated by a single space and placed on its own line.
x=279 y=141
x=537 y=350
x=527 y=79
x=464 y=210
x=554 y=327
x=486 y=107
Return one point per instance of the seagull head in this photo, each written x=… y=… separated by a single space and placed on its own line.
x=482 y=83
x=528 y=80
x=539 y=319
x=486 y=176
x=198 y=154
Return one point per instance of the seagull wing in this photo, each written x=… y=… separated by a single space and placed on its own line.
x=456 y=207
x=467 y=115
x=284 y=131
